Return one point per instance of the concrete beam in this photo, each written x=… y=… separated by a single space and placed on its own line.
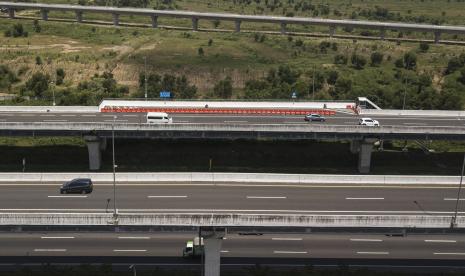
x=283 y=28
x=11 y=13
x=94 y=146
x=44 y=14
x=238 y=26
x=115 y=19
x=332 y=30
x=154 y=21
x=195 y=24
x=79 y=16
x=437 y=37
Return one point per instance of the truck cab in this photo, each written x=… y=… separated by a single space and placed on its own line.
x=193 y=248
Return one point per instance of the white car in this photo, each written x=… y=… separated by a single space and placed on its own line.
x=368 y=122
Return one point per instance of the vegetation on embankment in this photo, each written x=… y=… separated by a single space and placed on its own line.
x=88 y=62
x=70 y=154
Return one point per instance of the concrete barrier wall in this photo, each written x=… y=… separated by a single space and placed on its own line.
x=79 y=109
x=251 y=220
x=259 y=178
x=398 y=112
x=226 y=104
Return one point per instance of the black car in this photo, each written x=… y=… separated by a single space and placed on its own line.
x=77 y=185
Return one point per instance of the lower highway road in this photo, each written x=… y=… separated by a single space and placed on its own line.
x=237 y=198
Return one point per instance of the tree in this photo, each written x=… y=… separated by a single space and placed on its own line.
x=37 y=85
x=376 y=58
x=332 y=77
x=200 y=51
x=454 y=64
x=7 y=77
x=37 y=27
x=462 y=75
x=223 y=89
x=424 y=47
x=340 y=59
x=38 y=60
x=60 y=76
x=358 y=61
x=410 y=61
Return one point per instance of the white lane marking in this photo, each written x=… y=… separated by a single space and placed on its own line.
x=286 y=239
x=68 y=115
x=351 y=123
x=372 y=253
x=449 y=241
x=224 y=251
x=68 y=196
x=182 y=121
x=420 y=124
x=48 y=115
x=67 y=237
x=364 y=198
x=130 y=115
x=129 y=250
x=454 y=199
x=49 y=250
x=55 y=120
x=236 y=121
x=266 y=197
x=115 y=120
x=366 y=240
x=449 y=253
x=88 y=115
x=134 y=238
x=289 y=252
x=175 y=196
x=109 y=115
x=9 y=115
x=27 y=115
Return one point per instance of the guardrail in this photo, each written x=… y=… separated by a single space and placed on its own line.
x=217 y=178
x=229 y=219
x=63 y=109
x=397 y=112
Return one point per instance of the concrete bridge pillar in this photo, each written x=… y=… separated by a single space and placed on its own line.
x=354 y=146
x=44 y=14
x=94 y=147
x=437 y=37
x=283 y=28
x=115 y=19
x=332 y=30
x=364 y=155
x=382 y=34
x=212 y=239
x=238 y=26
x=79 y=16
x=11 y=13
x=154 y=21
x=195 y=24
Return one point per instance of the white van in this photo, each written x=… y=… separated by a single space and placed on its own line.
x=158 y=118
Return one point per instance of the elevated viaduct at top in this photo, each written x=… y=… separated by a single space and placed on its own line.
x=237 y=18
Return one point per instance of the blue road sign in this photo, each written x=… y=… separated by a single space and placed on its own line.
x=165 y=94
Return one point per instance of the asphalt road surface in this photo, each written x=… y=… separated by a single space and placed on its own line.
x=340 y=118
x=237 y=198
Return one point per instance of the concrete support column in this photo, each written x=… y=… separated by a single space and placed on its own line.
x=354 y=146
x=115 y=19
x=212 y=256
x=44 y=14
x=364 y=156
x=154 y=21
x=212 y=240
x=382 y=34
x=11 y=13
x=238 y=26
x=332 y=30
x=94 y=145
x=283 y=28
x=195 y=24
x=437 y=37
x=79 y=16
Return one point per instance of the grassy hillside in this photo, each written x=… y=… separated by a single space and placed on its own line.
x=86 y=51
